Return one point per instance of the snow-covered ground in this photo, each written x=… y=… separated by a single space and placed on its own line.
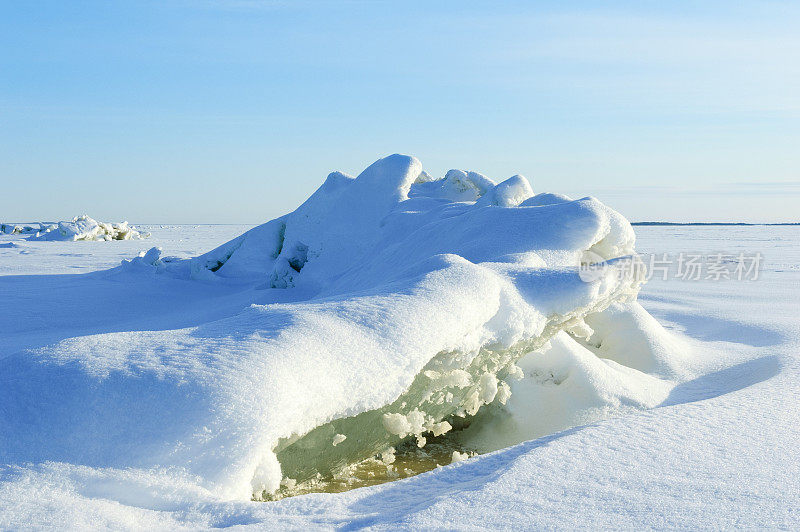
x=21 y=256
x=712 y=447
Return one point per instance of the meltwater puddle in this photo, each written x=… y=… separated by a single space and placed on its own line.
x=403 y=461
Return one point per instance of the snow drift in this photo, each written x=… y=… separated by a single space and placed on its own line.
x=79 y=228
x=386 y=306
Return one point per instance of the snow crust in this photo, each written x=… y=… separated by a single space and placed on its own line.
x=79 y=228
x=382 y=306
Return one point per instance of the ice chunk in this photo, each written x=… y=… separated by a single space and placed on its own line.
x=503 y=393
x=488 y=387
x=465 y=186
x=399 y=309
x=509 y=193
x=23 y=229
x=82 y=228
x=459 y=457
x=441 y=428
x=423 y=177
x=456 y=185
x=146 y=260
x=388 y=456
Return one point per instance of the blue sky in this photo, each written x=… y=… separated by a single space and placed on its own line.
x=235 y=111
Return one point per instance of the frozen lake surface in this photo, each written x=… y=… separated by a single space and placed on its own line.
x=719 y=451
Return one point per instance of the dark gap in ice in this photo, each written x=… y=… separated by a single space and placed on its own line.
x=299 y=256
x=281 y=240
x=404 y=459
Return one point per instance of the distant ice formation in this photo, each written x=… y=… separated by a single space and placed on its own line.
x=79 y=228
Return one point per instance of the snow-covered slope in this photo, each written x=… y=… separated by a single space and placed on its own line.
x=385 y=305
x=406 y=307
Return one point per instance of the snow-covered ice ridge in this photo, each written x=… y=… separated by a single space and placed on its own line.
x=387 y=305
x=79 y=228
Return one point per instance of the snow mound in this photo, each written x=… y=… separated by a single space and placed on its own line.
x=385 y=307
x=79 y=228
x=617 y=360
